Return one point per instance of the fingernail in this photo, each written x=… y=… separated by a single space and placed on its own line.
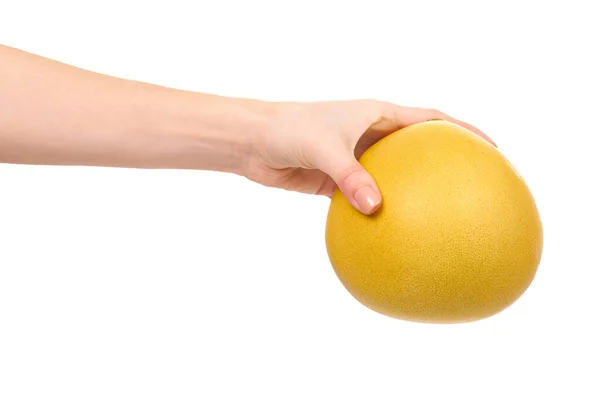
x=366 y=199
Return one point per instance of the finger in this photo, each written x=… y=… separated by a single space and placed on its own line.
x=355 y=183
x=395 y=117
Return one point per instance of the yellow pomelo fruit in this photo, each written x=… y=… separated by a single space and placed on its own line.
x=458 y=236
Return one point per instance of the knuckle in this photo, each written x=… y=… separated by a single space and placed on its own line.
x=434 y=114
x=353 y=175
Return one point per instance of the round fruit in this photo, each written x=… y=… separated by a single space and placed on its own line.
x=457 y=238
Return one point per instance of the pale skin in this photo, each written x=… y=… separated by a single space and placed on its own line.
x=52 y=113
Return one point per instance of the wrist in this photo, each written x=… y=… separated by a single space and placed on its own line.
x=220 y=133
x=190 y=130
x=206 y=132
x=248 y=127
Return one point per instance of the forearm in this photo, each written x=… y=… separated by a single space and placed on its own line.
x=52 y=113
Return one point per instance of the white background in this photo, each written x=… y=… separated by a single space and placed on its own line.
x=148 y=283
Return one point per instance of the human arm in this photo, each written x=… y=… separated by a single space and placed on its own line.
x=56 y=114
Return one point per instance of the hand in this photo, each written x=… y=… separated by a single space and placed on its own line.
x=56 y=114
x=313 y=147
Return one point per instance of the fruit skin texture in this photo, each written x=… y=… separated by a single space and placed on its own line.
x=457 y=238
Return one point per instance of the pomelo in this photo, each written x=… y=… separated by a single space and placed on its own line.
x=457 y=238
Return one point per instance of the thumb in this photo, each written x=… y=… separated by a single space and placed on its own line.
x=355 y=183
